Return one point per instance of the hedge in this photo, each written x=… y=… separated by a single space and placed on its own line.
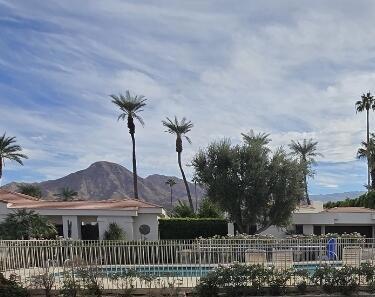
x=191 y=228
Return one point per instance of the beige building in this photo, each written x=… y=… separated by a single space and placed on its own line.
x=90 y=219
x=314 y=219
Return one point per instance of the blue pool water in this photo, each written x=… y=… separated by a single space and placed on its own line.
x=182 y=271
x=177 y=271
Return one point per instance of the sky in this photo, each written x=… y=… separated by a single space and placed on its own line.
x=293 y=69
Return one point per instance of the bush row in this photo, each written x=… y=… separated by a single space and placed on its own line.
x=257 y=280
x=191 y=228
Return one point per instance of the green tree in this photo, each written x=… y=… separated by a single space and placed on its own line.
x=366 y=103
x=251 y=184
x=367 y=151
x=171 y=182
x=30 y=190
x=66 y=194
x=306 y=152
x=180 y=129
x=26 y=224
x=114 y=232
x=130 y=107
x=11 y=151
x=183 y=210
x=209 y=209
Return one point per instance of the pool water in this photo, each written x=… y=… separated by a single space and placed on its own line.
x=176 y=271
x=183 y=271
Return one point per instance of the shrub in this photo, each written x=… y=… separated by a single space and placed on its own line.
x=183 y=210
x=191 y=228
x=45 y=281
x=302 y=277
x=208 y=209
x=344 y=280
x=277 y=281
x=25 y=224
x=114 y=232
x=11 y=287
x=92 y=281
x=125 y=281
x=70 y=287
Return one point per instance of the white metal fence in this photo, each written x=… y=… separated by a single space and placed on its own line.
x=182 y=262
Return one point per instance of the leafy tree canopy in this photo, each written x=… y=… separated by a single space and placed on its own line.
x=252 y=184
x=25 y=224
x=366 y=200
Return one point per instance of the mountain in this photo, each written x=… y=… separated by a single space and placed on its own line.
x=336 y=196
x=105 y=180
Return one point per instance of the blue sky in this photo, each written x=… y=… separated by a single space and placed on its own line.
x=289 y=68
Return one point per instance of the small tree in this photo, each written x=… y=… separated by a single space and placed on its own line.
x=25 y=224
x=114 y=232
x=209 y=209
x=30 y=190
x=182 y=210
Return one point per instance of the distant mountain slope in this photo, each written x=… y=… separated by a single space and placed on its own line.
x=337 y=196
x=105 y=180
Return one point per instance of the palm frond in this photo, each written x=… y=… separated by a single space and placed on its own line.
x=177 y=127
x=10 y=150
x=129 y=105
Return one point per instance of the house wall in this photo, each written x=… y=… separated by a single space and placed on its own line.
x=126 y=223
x=146 y=219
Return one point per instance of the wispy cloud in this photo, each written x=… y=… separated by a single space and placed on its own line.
x=291 y=68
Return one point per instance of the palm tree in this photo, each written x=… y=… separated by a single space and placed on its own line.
x=367 y=151
x=306 y=152
x=180 y=129
x=261 y=139
x=66 y=194
x=367 y=102
x=130 y=106
x=30 y=190
x=171 y=182
x=9 y=150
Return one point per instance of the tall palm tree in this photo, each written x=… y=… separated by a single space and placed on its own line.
x=306 y=152
x=367 y=151
x=130 y=107
x=366 y=103
x=261 y=139
x=66 y=194
x=9 y=150
x=180 y=129
x=171 y=182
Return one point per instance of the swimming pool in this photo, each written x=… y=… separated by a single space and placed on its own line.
x=183 y=271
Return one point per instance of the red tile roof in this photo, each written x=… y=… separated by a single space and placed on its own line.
x=17 y=200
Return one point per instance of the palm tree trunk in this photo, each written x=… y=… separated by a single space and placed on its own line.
x=307 y=192
x=368 y=157
x=135 y=176
x=185 y=182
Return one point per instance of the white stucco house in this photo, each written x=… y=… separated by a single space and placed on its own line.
x=84 y=219
x=314 y=219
